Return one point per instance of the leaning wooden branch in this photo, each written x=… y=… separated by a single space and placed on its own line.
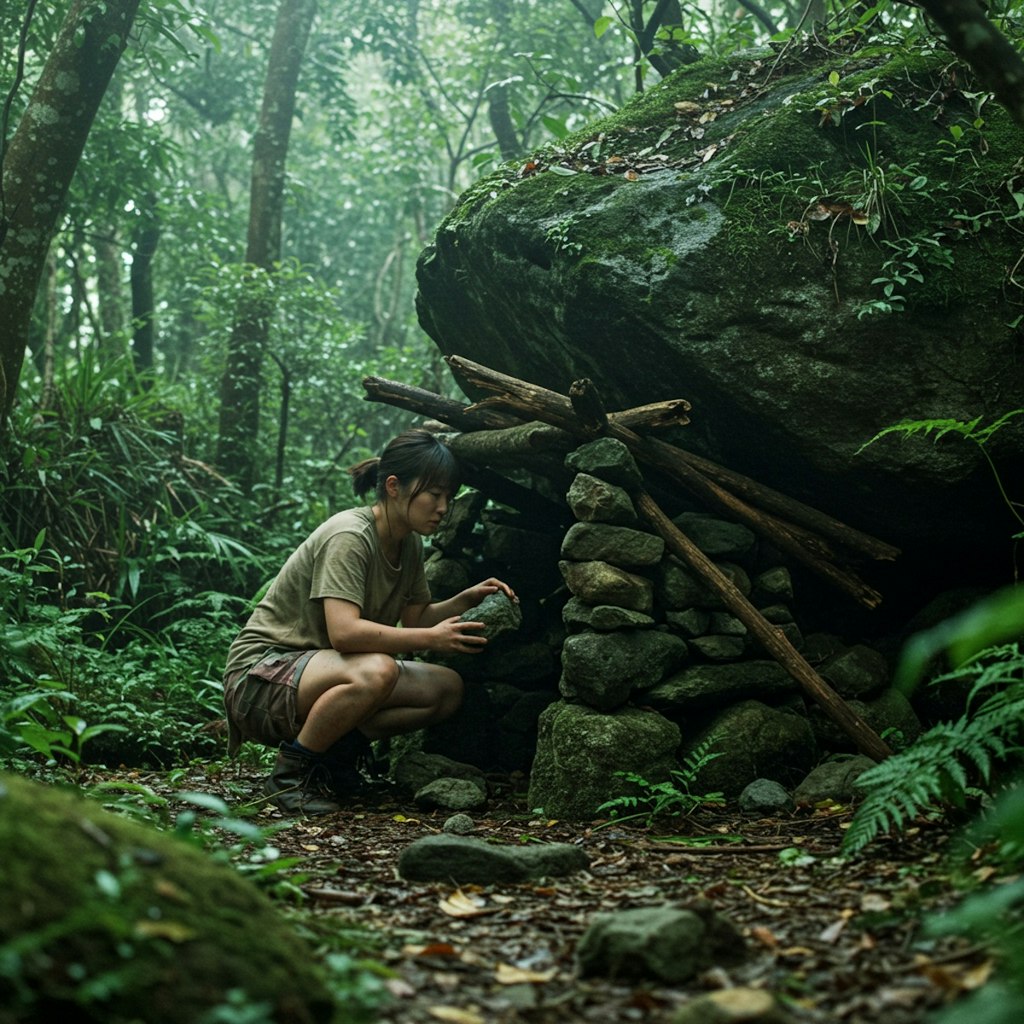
x=426 y=403
x=533 y=401
x=771 y=637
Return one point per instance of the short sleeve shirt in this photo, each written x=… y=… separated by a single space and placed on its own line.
x=341 y=558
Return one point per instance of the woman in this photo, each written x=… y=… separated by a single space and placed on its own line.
x=317 y=670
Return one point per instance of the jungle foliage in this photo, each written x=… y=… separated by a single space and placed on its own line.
x=128 y=557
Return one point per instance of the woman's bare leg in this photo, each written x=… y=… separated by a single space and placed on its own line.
x=340 y=692
x=424 y=694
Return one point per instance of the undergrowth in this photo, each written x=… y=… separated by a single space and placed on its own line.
x=672 y=798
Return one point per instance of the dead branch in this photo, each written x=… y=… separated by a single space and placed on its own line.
x=771 y=637
x=541 y=403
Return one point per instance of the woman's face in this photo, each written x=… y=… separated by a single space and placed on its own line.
x=426 y=509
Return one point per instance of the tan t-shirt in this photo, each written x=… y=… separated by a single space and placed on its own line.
x=341 y=558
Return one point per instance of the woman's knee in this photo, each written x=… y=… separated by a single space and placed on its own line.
x=377 y=673
x=450 y=692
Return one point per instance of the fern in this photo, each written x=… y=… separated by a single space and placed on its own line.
x=655 y=799
x=946 y=765
x=969 y=430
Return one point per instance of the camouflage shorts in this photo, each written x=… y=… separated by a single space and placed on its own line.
x=260 y=701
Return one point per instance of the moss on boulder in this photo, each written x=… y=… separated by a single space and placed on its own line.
x=809 y=251
x=106 y=919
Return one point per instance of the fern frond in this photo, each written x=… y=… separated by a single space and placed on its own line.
x=983 y=436
x=938 y=768
x=908 y=428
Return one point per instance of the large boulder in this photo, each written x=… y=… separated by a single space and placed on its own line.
x=580 y=750
x=105 y=919
x=810 y=250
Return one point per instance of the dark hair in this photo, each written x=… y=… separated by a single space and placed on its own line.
x=413 y=455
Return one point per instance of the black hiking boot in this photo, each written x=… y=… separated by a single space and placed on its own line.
x=351 y=769
x=300 y=784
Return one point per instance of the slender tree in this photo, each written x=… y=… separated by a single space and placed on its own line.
x=240 y=385
x=41 y=159
x=995 y=60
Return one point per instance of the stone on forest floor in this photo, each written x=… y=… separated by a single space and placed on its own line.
x=459 y=825
x=668 y=944
x=765 y=796
x=461 y=860
x=834 y=780
x=451 y=795
x=734 y=1006
x=415 y=769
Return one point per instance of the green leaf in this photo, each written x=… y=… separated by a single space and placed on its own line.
x=602 y=25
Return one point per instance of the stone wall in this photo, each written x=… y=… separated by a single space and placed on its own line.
x=625 y=662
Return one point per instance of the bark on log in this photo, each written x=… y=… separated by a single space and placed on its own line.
x=535 y=447
x=541 y=403
x=589 y=409
x=790 y=509
x=654 y=415
x=426 y=403
x=771 y=637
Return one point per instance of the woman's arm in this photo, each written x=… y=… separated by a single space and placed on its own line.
x=430 y=614
x=352 y=634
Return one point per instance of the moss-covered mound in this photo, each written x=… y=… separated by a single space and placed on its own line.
x=809 y=247
x=103 y=919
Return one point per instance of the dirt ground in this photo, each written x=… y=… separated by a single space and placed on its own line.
x=838 y=940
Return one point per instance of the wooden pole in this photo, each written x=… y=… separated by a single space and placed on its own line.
x=534 y=401
x=771 y=637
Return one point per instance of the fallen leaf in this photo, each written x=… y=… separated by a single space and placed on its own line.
x=631 y=175
x=170 y=891
x=461 y=905
x=506 y=974
x=454 y=1015
x=399 y=988
x=833 y=931
x=431 y=949
x=956 y=978
x=872 y=902
x=765 y=936
x=173 y=931
x=688 y=108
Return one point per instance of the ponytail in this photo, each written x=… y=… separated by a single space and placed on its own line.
x=414 y=455
x=364 y=476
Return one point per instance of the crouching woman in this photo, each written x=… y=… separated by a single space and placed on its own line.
x=317 y=671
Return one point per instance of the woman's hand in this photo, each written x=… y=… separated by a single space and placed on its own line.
x=454 y=636
x=472 y=596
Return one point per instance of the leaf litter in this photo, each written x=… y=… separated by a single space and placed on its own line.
x=838 y=940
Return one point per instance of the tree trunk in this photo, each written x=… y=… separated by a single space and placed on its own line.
x=110 y=298
x=147 y=235
x=991 y=55
x=51 y=136
x=240 y=385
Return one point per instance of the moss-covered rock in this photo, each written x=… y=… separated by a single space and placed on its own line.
x=742 y=254
x=103 y=919
x=579 y=750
